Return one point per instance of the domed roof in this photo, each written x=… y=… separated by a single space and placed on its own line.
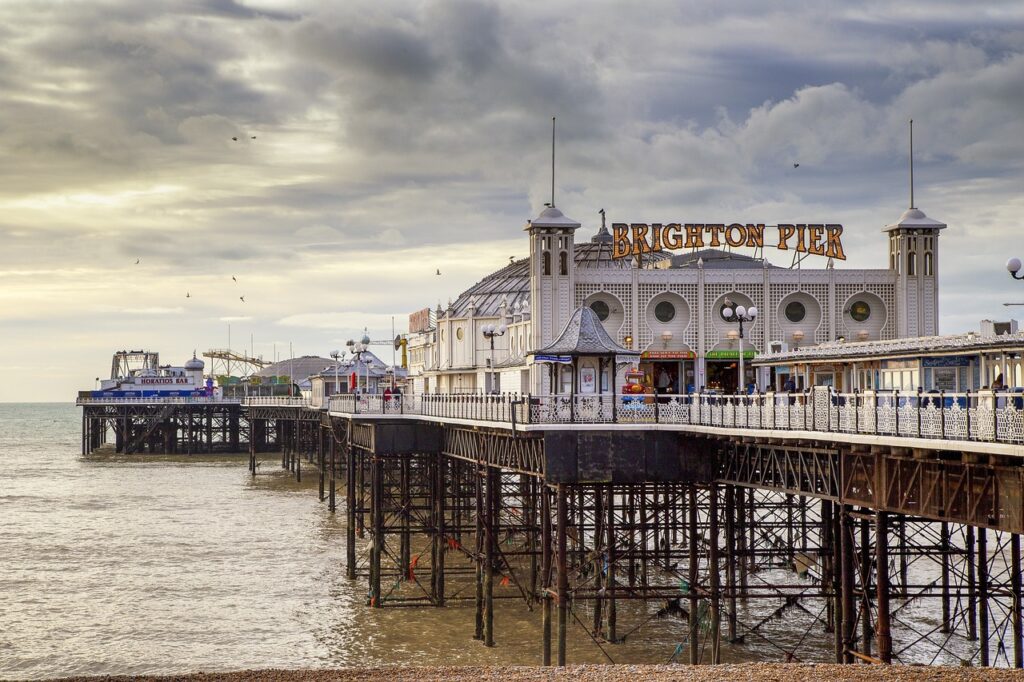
x=915 y=218
x=552 y=217
x=195 y=363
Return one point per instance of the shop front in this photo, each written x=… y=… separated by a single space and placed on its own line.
x=669 y=372
x=722 y=368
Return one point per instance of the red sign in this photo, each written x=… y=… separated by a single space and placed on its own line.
x=419 y=321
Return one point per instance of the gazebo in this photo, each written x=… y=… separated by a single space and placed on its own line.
x=591 y=352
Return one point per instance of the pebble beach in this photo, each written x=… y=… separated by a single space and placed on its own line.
x=753 y=672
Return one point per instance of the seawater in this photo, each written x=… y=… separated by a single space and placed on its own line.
x=113 y=565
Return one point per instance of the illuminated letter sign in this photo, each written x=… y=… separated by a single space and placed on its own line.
x=636 y=239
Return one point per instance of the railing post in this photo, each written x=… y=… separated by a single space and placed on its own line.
x=995 y=416
x=920 y=391
x=896 y=401
x=967 y=406
x=808 y=403
x=657 y=413
x=856 y=411
x=942 y=414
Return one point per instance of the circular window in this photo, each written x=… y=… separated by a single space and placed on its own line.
x=795 y=311
x=860 y=311
x=664 y=311
x=600 y=308
x=458 y=333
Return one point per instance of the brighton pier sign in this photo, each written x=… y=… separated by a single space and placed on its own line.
x=635 y=239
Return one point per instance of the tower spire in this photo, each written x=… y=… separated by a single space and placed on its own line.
x=912 y=163
x=553 y=161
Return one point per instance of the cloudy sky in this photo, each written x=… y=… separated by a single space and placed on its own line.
x=379 y=141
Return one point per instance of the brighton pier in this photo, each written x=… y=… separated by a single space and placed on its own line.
x=786 y=457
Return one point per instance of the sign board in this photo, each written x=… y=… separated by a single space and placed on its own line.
x=816 y=239
x=948 y=361
x=558 y=359
x=730 y=354
x=419 y=321
x=668 y=355
x=588 y=380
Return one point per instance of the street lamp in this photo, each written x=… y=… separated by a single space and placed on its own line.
x=337 y=355
x=352 y=349
x=1013 y=266
x=489 y=332
x=739 y=315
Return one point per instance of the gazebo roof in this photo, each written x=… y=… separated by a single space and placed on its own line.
x=584 y=334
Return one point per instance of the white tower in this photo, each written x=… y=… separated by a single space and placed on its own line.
x=552 y=292
x=914 y=257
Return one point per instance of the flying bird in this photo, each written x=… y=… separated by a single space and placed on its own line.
x=233 y=279
x=253 y=137
x=439 y=271
x=137 y=260
x=188 y=294
x=796 y=165
x=235 y=139
x=242 y=299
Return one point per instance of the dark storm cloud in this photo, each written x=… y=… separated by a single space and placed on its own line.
x=423 y=128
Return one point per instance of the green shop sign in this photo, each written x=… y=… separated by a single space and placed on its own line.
x=730 y=354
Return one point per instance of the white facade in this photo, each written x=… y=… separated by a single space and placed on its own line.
x=668 y=307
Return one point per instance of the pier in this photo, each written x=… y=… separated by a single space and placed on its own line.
x=872 y=507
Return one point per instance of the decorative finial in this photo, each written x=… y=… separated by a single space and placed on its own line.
x=552 y=160
x=912 y=164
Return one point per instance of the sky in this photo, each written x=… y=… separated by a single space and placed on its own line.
x=379 y=141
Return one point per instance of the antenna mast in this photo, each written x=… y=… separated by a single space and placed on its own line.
x=552 y=161
x=911 y=163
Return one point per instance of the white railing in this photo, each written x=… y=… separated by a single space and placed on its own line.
x=982 y=416
x=155 y=400
x=276 y=401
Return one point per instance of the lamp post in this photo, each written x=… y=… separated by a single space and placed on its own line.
x=352 y=349
x=739 y=314
x=364 y=344
x=336 y=354
x=489 y=332
x=1013 y=266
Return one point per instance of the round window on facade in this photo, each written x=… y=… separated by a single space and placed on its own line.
x=600 y=309
x=458 y=333
x=795 y=311
x=665 y=311
x=860 y=311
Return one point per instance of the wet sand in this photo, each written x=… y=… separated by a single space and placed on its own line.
x=754 y=672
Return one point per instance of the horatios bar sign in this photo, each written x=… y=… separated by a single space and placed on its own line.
x=636 y=239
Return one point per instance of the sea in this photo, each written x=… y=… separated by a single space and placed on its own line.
x=113 y=565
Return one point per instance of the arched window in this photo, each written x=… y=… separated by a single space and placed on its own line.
x=911 y=263
x=563 y=263
x=928 y=264
x=546 y=263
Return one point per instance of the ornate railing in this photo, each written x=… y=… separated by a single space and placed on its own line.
x=276 y=401
x=982 y=416
x=179 y=400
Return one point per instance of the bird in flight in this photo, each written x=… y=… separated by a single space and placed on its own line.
x=242 y=299
x=439 y=271
x=796 y=165
x=137 y=260
x=235 y=139
x=188 y=294
x=252 y=137
x=233 y=279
